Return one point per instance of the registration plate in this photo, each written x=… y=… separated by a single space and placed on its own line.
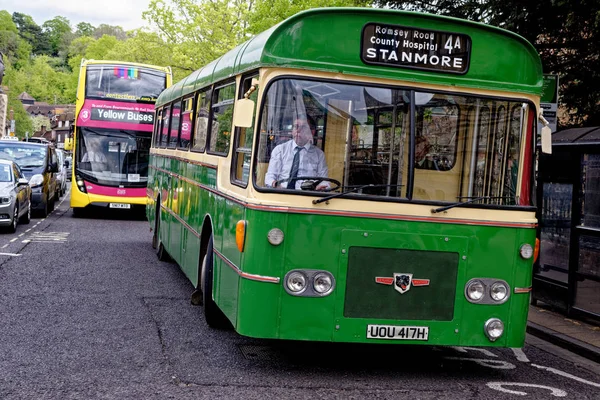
x=393 y=332
x=119 y=205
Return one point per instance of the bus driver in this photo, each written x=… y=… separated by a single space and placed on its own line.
x=296 y=158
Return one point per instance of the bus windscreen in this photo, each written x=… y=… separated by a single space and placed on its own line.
x=124 y=83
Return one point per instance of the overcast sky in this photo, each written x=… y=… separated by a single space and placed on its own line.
x=125 y=13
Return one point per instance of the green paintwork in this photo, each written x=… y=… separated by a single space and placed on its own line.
x=354 y=249
x=266 y=310
x=329 y=39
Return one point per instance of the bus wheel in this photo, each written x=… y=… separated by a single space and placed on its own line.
x=161 y=252
x=213 y=315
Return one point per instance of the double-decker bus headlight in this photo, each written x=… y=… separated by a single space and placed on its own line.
x=475 y=290
x=494 y=328
x=526 y=251
x=323 y=283
x=275 y=236
x=499 y=291
x=296 y=282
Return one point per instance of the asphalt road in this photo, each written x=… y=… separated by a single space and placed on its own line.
x=88 y=312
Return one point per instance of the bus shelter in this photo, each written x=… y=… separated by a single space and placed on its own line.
x=567 y=274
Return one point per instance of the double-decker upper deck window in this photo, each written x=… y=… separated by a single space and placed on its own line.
x=201 y=131
x=124 y=83
x=221 y=118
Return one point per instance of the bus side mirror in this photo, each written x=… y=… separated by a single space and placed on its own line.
x=546 y=140
x=243 y=113
x=68 y=144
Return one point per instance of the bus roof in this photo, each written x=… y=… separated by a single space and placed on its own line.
x=85 y=62
x=329 y=39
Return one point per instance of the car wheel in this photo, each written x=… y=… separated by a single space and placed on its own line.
x=44 y=211
x=212 y=313
x=15 y=221
x=27 y=217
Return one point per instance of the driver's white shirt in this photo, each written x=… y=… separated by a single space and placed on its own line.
x=312 y=163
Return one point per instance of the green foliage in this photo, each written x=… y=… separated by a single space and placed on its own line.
x=84 y=29
x=32 y=33
x=57 y=30
x=38 y=121
x=22 y=121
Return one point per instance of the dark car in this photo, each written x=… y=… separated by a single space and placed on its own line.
x=39 y=164
x=15 y=196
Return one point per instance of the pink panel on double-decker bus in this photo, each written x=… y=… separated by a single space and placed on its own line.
x=92 y=188
x=116 y=115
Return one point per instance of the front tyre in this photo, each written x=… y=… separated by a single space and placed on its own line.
x=213 y=315
x=15 y=220
x=161 y=252
x=25 y=219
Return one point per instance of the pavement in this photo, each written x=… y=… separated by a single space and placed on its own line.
x=578 y=336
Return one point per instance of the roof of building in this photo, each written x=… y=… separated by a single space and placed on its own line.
x=582 y=136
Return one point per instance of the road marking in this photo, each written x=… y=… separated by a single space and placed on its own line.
x=495 y=364
x=5 y=246
x=484 y=351
x=12 y=240
x=28 y=230
x=10 y=254
x=498 y=386
x=47 y=237
x=520 y=355
x=566 y=375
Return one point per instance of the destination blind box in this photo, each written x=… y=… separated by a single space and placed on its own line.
x=404 y=47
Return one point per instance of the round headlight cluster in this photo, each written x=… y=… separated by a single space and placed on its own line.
x=487 y=291
x=309 y=283
x=275 y=236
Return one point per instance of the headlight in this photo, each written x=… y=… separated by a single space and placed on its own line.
x=296 y=282
x=475 y=290
x=499 y=291
x=494 y=328
x=4 y=200
x=36 y=180
x=322 y=283
x=526 y=251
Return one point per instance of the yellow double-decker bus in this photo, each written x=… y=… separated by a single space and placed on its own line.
x=112 y=133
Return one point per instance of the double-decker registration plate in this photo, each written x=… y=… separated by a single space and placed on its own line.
x=393 y=332
x=119 y=205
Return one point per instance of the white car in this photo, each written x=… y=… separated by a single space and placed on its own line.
x=62 y=176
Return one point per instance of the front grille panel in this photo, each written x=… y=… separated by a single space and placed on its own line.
x=365 y=298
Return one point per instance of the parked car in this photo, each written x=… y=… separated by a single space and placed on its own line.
x=39 y=164
x=69 y=166
x=61 y=177
x=15 y=196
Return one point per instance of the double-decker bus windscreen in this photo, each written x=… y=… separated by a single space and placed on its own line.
x=113 y=158
x=124 y=83
x=463 y=146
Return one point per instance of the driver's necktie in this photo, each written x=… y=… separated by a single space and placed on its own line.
x=295 y=167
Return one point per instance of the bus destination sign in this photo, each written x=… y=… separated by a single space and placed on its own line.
x=399 y=46
x=109 y=114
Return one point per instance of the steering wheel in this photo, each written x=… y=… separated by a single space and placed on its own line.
x=311 y=182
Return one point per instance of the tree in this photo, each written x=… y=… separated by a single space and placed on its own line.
x=109 y=30
x=32 y=33
x=84 y=29
x=566 y=33
x=16 y=50
x=58 y=30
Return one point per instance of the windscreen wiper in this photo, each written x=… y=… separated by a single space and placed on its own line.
x=354 y=189
x=460 y=203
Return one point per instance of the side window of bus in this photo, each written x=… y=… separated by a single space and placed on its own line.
x=221 y=118
x=243 y=139
x=174 y=128
x=164 y=130
x=203 y=104
x=187 y=119
x=156 y=135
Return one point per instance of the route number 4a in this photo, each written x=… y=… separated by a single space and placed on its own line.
x=452 y=44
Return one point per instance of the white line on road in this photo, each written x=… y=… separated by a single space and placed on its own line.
x=499 y=386
x=561 y=373
x=5 y=246
x=12 y=240
x=520 y=355
x=10 y=254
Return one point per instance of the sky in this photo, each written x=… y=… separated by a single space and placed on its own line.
x=124 y=13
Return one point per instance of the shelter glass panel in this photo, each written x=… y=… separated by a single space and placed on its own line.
x=591 y=190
